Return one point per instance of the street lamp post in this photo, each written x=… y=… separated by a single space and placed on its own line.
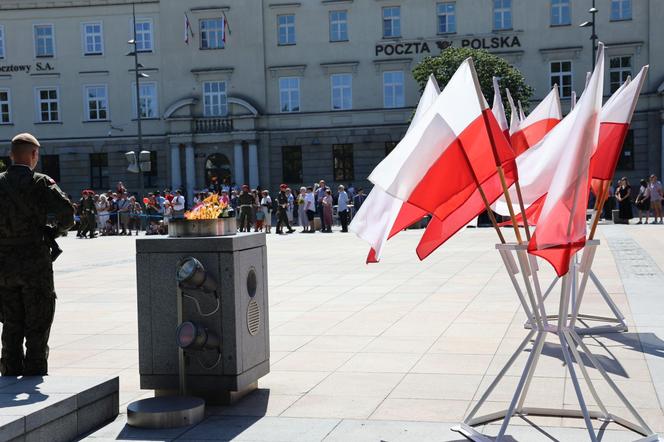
x=138 y=76
x=592 y=24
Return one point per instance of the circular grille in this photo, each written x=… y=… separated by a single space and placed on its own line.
x=253 y=317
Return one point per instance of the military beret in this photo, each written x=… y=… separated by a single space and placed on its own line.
x=25 y=138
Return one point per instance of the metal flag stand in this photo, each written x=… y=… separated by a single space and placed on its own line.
x=533 y=305
x=613 y=324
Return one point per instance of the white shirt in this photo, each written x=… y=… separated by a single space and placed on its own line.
x=309 y=201
x=178 y=202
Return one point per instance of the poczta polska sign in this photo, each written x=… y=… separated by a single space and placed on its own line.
x=27 y=68
x=424 y=47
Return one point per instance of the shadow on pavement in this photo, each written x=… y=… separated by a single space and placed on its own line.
x=25 y=391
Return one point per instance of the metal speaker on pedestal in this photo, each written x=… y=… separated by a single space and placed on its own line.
x=191 y=274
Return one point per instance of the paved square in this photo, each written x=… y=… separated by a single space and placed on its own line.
x=393 y=351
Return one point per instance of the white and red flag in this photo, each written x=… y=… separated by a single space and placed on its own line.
x=538 y=123
x=522 y=114
x=187 y=29
x=514 y=114
x=440 y=163
x=382 y=215
x=561 y=229
x=498 y=109
x=615 y=120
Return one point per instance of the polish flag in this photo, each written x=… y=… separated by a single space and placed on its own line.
x=615 y=119
x=382 y=216
x=522 y=114
x=442 y=160
x=498 y=109
x=561 y=230
x=538 y=123
x=455 y=146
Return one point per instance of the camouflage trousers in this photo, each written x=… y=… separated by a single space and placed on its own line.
x=28 y=314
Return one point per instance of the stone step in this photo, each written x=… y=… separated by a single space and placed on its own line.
x=55 y=408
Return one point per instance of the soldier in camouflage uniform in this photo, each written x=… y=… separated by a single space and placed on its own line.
x=27 y=296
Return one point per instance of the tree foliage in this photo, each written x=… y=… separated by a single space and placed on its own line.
x=487 y=66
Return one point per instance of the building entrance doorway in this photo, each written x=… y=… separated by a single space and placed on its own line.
x=217 y=171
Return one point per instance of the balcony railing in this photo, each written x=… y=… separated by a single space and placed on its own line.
x=204 y=125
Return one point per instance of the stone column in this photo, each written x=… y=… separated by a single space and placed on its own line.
x=176 y=174
x=253 y=165
x=190 y=167
x=238 y=162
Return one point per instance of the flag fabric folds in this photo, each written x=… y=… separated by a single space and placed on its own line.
x=498 y=109
x=382 y=215
x=514 y=114
x=614 y=124
x=561 y=230
x=436 y=165
x=440 y=163
x=538 y=123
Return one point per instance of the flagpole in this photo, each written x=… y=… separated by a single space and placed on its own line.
x=599 y=206
x=501 y=174
x=482 y=194
x=523 y=209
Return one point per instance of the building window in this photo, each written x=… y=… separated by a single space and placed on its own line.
x=446 y=17
x=502 y=14
x=621 y=10
x=338 y=25
x=48 y=105
x=5 y=107
x=561 y=75
x=44 y=43
x=99 y=170
x=342 y=158
x=286 y=29
x=212 y=33
x=147 y=99
x=5 y=162
x=626 y=160
x=289 y=92
x=96 y=103
x=392 y=22
x=389 y=147
x=144 y=35
x=619 y=69
x=2 y=42
x=291 y=164
x=50 y=165
x=560 y=13
x=393 y=93
x=93 y=41
x=342 y=91
x=215 y=103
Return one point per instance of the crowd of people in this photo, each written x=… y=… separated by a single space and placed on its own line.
x=120 y=212
x=312 y=208
x=257 y=210
x=648 y=201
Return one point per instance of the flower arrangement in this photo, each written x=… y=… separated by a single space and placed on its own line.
x=211 y=207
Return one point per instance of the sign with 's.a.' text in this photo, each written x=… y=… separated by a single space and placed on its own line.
x=27 y=68
x=425 y=47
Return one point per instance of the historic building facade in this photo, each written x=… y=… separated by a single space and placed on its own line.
x=271 y=91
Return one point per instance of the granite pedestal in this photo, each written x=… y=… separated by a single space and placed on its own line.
x=238 y=317
x=55 y=408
